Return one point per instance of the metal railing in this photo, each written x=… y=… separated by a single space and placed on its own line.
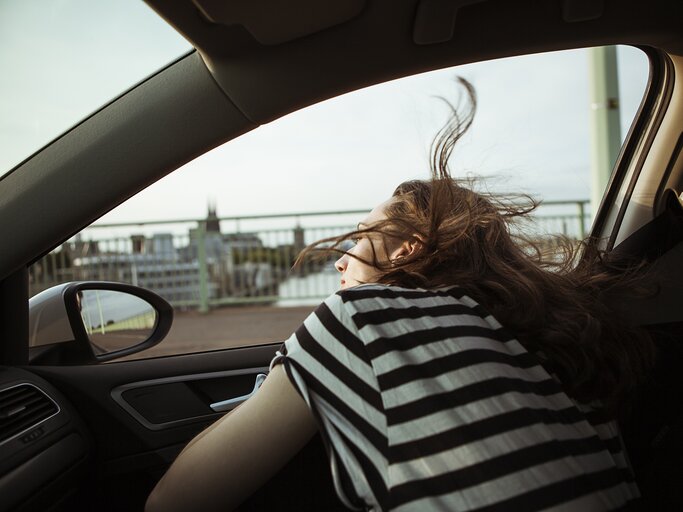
x=205 y=263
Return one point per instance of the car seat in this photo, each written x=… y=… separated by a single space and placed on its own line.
x=653 y=430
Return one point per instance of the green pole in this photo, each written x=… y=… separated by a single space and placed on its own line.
x=582 y=221
x=605 y=128
x=203 y=271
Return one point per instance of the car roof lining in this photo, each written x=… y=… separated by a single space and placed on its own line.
x=268 y=81
x=272 y=22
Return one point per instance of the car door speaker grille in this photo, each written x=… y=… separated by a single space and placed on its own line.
x=23 y=407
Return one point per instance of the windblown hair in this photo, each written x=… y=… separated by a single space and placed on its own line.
x=550 y=293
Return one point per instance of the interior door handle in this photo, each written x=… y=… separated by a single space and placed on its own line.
x=231 y=403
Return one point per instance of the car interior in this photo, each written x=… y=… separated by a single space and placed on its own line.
x=76 y=434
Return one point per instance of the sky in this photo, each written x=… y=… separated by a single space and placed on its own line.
x=530 y=132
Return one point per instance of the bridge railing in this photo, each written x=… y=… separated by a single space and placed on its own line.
x=205 y=263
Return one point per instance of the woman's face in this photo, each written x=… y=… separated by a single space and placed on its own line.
x=355 y=272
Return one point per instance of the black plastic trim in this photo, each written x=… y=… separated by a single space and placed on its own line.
x=14 y=318
x=630 y=144
x=660 y=199
x=23 y=481
x=117 y=395
x=59 y=409
x=660 y=85
x=163 y=323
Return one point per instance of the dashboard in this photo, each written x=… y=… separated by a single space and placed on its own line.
x=44 y=445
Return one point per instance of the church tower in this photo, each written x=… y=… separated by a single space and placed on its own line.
x=213 y=225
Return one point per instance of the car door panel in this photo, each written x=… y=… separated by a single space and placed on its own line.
x=142 y=413
x=118 y=433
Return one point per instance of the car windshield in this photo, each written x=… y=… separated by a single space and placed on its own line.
x=63 y=59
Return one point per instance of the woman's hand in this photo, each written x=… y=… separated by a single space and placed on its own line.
x=227 y=462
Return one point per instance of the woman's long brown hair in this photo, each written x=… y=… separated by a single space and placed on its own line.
x=551 y=293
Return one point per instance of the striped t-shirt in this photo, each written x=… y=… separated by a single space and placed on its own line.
x=426 y=402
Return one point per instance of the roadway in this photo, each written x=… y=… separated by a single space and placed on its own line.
x=228 y=327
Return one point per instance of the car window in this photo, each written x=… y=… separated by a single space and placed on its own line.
x=63 y=59
x=217 y=238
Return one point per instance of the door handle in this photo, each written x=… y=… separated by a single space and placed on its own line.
x=231 y=403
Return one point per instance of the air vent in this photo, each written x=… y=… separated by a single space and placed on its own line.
x=23 y=407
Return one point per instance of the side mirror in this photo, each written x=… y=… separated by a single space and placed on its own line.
x=93 y=321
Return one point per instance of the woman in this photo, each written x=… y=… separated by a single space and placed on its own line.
x=459 y=368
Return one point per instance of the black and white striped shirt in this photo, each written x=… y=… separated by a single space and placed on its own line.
x=427 y=403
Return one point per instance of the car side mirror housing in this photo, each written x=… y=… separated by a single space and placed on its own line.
x=95 y=321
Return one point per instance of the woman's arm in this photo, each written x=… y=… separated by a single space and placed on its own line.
x=236 y=455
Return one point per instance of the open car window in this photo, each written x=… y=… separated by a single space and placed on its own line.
x=217 y=238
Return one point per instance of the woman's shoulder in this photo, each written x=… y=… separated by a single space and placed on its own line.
x=397 y=294
x=370 y=289
x=379 y=303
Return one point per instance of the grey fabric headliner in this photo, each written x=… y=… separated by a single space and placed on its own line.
x=267 y=81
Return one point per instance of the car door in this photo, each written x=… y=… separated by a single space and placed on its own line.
x=142 y=413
